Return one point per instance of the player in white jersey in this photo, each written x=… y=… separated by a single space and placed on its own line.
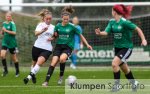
x=42 y=48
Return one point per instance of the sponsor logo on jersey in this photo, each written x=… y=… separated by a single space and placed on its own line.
x=8 y=27
x=117 y=35
x=67 y=30
x=119 y=27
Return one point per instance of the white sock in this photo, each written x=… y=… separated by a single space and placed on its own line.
x=29 y=77
x=35 y=69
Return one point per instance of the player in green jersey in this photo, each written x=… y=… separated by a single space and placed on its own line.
x=64 y=32
x=9 y=43
x=122 y=30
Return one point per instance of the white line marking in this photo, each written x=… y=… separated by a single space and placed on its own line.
x=29 y=86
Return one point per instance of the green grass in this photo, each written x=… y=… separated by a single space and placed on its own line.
x=12 y=85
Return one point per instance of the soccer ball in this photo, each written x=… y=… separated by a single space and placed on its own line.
x=71 y=80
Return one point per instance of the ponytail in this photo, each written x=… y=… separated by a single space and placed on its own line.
x=123 y=10
x=68 y=10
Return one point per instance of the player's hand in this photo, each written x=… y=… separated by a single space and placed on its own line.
x=97 y=31
x=50 y=39
x=45 y=29
x=89 y=47
x=1 y=32
x=144 y=42
x=4 y=29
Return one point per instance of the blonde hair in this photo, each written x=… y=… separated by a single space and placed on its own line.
x=43 y=13
x=9 y=13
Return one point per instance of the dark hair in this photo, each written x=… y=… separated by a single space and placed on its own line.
x=123 y=10
x=68 y=10
x=44 y=12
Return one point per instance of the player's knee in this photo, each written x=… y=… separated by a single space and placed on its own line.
x=62 y=60
x=114 y=64
x=3 y=56
x=15 y=59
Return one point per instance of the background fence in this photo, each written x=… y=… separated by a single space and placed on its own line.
x=90 y=17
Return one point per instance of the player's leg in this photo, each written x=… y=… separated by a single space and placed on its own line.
x=41 y=60
x=4 y=63
x=55 y=60
x=124 y=66
x=116 y=71
x=128 y=73
x=63 y=59
x=74 y=59
x=74 y=55
x=64 y=56
x=43 y=56
x=33 y=64
x=35 y=69
x=35 y=54
x=15 y=60
x=116 y=68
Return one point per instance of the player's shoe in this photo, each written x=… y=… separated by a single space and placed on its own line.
x=60 y=80
x=115 y=87
x=135 y=86
x=45 y=84
x=25 y=80
x=17 y=74
x=72 y=66
x=33 y=77
x=4 y=73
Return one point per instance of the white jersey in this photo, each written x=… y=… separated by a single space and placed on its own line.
x=42 y=40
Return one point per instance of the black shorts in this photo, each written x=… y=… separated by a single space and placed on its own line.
x=11 y=50
x=62 y=48
x=37 y=52
x=123 y=53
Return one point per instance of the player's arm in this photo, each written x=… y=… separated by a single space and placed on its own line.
x=40 y=32
x=53 y=37
x=101 y=33
x=132 y=26
x=2 y=32
x=141 y=35
x=77 y=31
x=9 y=32
x=107 y=30
x=85 y=42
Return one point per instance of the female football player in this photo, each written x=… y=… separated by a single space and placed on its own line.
x=122 y=30
x=64 y=32
x=77 y=43
x=73 y=57
x=9 y=43
x=42 y=48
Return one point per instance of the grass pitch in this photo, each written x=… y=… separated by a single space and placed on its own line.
x=12 y=85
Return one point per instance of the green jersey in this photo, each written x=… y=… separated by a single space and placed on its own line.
x=122 y=32
x=9 y=40
x=66 y=34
